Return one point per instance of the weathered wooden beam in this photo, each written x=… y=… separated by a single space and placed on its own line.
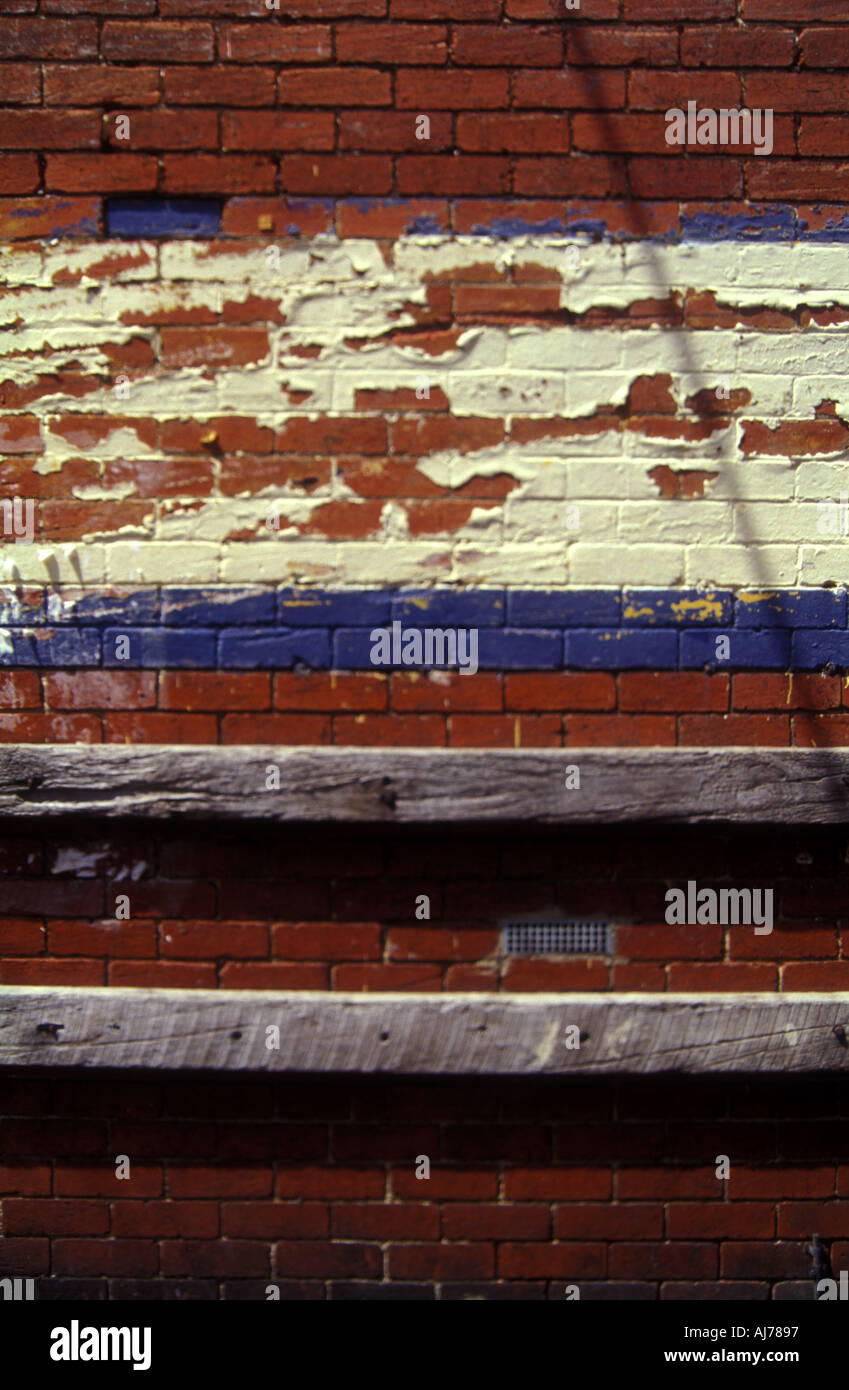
x=424 y=1034
x=420 y=786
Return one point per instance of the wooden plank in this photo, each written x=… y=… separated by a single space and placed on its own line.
x=424 y=1034
x=421 y=786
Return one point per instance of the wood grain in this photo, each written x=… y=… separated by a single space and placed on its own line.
x=423 y=1034
x=421 y=786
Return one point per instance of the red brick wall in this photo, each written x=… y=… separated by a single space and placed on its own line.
x=317 y=908
x=525 y=98
x=311 y=1185
x=491 y=709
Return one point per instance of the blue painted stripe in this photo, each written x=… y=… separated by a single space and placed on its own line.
x=261 y=627
x=155 y=216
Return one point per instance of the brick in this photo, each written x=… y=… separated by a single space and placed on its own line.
x=395 y=43
x=387 y=130
x=667 y=1183
x=122 y=938
x=423 y=943
x=100 y=690
x=722 y=978
x=365 y=174
x=793 y=92
x=216 y=174
x=19 y=690
x=106 y=173
x=475 y=1260
x=250 y=85
x=162 y=1219
x=25 y=1179
x=19 y=173
x=277 y=130
x=213 y=690
x=332 y=1182
x=686 y=9
x=672 y=691
x=323 y=1259
x=334 y=87
x=568 y=89
x=385 y=1221
x=79 y=1180
x=798 y=690
x=619 y=730
x=204 y=940
x=130 y=974
x=823 y=47
x=334 y=691
x=275 y=1220
x=43 y=38
x=153 y=41
x=132 y=727
x=781 y=1182
x=22 y=84
x=54 y=1217
x=325 y=941
x=166 y=130
x=493 y=134
x=651 y=90
x=221 y=1259
x=455 y=90
x=84 y=84
x=480 y=1221
x=739 y=48
x=682 y=1260
x=572 y=1260
x=713 y=730
x=398 y=731
x=620 y=47
x=407 y=978
x=276 y=728
x=550 y=690
x=720 y=1220
x=227 y=1182
x=249 y=43
x=446 y=1184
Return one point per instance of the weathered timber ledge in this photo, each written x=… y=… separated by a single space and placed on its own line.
x=421 y=786
x=436 y=1035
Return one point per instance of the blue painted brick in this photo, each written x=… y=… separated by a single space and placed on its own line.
x=791 y=608
x=768 y=649
x=179 y=648
x=17 y=648
x=622 y=650
x=276 y=648
x=449 y=607
x=519 y=649
x=352 y=649
x=134 y=607
x=498 y=649
x=563 y=608
x=329 y=608
x=676 y=607
x=171 y=217
x=76 y=646
x=818 y=646
x=217 y=607
x=22 y=609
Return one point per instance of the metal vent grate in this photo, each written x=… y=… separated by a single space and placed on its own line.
x=563 y=937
